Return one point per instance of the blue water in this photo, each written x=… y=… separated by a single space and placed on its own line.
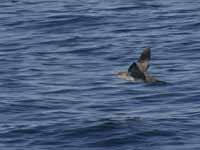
x=57 y=88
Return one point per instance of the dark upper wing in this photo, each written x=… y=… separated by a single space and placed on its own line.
x=135 y=72
x=143 y=61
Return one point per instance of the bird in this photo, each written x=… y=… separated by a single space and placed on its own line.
x=138 y=71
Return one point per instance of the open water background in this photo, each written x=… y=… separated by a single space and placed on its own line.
x=57 y=88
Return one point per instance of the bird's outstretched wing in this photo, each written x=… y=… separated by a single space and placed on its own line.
x=135 y=72
x=143 y=61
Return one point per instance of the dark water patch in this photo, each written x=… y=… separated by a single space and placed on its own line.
x=93 y=130
x=156 y=133
x=114 y=142
x=123 y=8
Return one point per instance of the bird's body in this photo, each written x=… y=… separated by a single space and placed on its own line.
x=125 y=76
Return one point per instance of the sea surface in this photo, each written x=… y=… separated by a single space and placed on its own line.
x=58 y=89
